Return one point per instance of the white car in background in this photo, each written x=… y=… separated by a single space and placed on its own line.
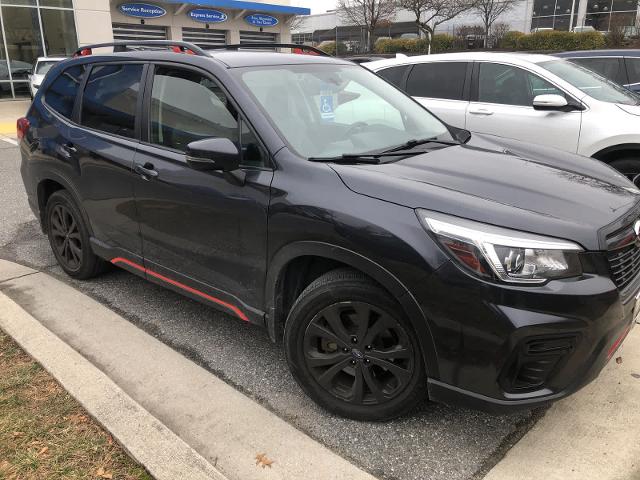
x=40 y=69
x=535 y=98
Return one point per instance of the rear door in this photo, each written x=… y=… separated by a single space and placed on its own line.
x=204 y=233
x=442 y=87
x=102 y=148
x=502 y=104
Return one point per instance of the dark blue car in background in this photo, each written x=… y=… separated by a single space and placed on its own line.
x=620 y=66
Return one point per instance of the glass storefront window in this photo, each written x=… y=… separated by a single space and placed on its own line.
x=22 y=34
x=598 y=6
x=542 y=22
x=554 y=14
x=56 y=3
x=543 y=8
x=599 y=21
x=56 y=25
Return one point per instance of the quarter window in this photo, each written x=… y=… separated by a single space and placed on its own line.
x=186 y=106
x=394 y=75
x=633 y=69
x=437 y=80
x=110 y=99
x=509 y=85
x=61 y=94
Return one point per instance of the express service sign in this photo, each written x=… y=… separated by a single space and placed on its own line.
x=261 y=20
x=141 y=10
x=207 y=15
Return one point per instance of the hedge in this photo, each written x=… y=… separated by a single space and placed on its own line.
x=330 y=48
x=540 y=41
x=439 y=43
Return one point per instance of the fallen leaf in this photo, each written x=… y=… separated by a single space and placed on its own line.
x=619 y=360
x=102 y=473
x=43 y=451
x=263 y=461
x=17 y=434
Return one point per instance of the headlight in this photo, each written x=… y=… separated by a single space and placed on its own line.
x=503 y=254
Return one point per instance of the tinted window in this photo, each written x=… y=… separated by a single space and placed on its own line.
x=110 y=98
x=633 y=69
x=610 y=68
x=437 y=80
x=61 y=94
x=394 y=75
x=508 y=85
x=186 y=107
x=253 y=155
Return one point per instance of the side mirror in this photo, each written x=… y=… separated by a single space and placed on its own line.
x=550 y=102
x=219 y=154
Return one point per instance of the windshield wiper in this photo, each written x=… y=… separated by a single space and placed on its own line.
x=349 y=159
x=414 y=143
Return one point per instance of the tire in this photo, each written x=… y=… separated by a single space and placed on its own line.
x=629 y=167
x=69 y=237
x=350 y=376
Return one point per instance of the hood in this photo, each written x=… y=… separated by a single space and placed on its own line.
x=631 y=109
x=505 y=183
x=36 y=79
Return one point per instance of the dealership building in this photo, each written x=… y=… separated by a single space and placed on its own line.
x=34 y=28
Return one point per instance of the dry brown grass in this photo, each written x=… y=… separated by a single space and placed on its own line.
x=45 y=433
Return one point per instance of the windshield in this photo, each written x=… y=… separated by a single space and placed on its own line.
x=331 y=110
x=591 y=83
x=43 y=67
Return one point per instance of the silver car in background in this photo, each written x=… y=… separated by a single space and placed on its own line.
x=40 y=69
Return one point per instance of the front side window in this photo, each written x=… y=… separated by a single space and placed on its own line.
x=187 y=106
x=633 y=69
x=610 y=68
x=324 y=110
x=590 y=82
x=509 y=85
x=110 y=98
x=437 y=80
x=61 y=94
x=43 y=67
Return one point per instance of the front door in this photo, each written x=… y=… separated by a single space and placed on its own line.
x=503 y=105
x=204 y=233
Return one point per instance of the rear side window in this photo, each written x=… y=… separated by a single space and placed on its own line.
x=438 y=80
x=61 y=94
x=110 y=98
x=611 y=68
x=394 y=75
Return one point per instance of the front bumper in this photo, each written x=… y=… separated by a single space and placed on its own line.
x=503 y=348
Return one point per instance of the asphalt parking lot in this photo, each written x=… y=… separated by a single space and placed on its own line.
x=435 y=442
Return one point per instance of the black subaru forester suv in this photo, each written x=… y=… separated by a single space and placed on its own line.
x=395 y=256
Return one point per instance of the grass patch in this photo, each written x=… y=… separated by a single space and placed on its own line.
x=46 y=434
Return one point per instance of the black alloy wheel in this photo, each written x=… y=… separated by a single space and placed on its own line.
x=351 y=348
x=359 y=353
x=67 y=241
x=69 y=237
x=630 y=168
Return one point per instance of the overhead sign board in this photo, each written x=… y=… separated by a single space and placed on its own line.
x=141 y=10
x=207 y=15
x=261 y=20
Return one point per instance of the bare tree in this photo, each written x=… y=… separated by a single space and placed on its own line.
x=431 y=13
x=296 y=21
x=489 y=11
x=367 y=14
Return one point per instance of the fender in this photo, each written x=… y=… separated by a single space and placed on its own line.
x=359 y=262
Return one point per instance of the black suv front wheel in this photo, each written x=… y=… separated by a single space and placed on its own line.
x=352 y=350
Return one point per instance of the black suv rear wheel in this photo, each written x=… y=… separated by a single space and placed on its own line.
x=69 y=237
x=352 y=350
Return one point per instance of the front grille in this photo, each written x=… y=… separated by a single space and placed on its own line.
x=624 y=256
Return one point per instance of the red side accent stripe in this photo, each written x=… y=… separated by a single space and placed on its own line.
x=182 y=286
x=618 y=342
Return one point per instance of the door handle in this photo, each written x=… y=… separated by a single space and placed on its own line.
x=481 y=111
x=66 y=150
x=146 y=172
x=69 y=147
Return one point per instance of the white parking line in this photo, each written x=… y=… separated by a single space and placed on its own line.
x=9 y=140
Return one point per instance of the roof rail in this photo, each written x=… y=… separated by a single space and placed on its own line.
x=124 y=46
x=260 y=46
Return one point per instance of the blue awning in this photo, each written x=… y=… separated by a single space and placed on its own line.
x=241 y=5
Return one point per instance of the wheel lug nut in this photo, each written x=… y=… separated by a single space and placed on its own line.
x=353 y=362
x=354 y=339
x=369 y=347
x=345 y=350
x=367 y=361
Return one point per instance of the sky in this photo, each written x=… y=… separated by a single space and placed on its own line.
x=316 y=6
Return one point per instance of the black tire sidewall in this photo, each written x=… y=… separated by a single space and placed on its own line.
x=89 y=262
x=305 y=309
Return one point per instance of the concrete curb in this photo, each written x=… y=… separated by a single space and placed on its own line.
x=146 y=439
x=226 y=428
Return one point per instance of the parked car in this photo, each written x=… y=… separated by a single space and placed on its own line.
x=534 y=98
x=40 y=69
x=619 y=66
x=583 y=28
x=395 y=256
